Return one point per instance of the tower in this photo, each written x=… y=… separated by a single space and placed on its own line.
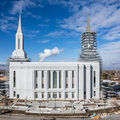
x=19 y=55
x=89 y=45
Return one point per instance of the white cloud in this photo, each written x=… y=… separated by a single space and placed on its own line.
x=102 y=15
x=43 y=41
x=110 y=53
x=31 y=34
x=104 y=19
x=32 y=15
x=64 y=33
x=55 y=34
x=24 y=4
x=53 y=2
x=112 y=33
x=48 y=53
x=34 y=31
x=21 y=4
x=2 y=63
x=6 y=23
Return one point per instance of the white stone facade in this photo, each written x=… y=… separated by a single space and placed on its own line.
x=51 y=80
x=81 y=82
x=19 y=54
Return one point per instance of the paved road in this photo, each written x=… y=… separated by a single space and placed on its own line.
x=26 y=117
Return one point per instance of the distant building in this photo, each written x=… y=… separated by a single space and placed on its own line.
x=4 y=85
x=55 y=80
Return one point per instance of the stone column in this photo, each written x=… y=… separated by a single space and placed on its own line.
x=63 y=84
x=88 y=82
x=70 y=84
x=76 y=83
x=33 y=84
x=81 y=82
x=76 y=77
x=57 y=79
x=70 y=80
x=97 y=88
x=46 y=83
x=39 y=83
x=39 y=79
x=46 y=80
x=51 y=79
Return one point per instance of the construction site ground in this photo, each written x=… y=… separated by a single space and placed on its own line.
x=59 y=110
x=36 y=117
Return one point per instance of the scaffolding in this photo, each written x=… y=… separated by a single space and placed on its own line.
x=89 y=46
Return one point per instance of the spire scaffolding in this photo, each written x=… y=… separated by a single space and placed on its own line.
x=89 y=45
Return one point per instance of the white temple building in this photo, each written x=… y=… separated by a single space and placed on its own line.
x=55 y=80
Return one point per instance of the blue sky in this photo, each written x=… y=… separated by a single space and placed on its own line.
x=56 y=26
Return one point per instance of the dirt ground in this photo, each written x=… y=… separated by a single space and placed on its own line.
x=30 y=117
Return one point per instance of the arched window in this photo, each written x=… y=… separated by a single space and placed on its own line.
x=72 y=79
x=94 y=78
x=54 y=79
x=14 y=78
x=49 y=79
x=18 y=43
x=59 y=79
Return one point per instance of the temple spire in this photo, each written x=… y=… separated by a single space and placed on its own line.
x=88 y=25
x=19 y=55
x=19 y=30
